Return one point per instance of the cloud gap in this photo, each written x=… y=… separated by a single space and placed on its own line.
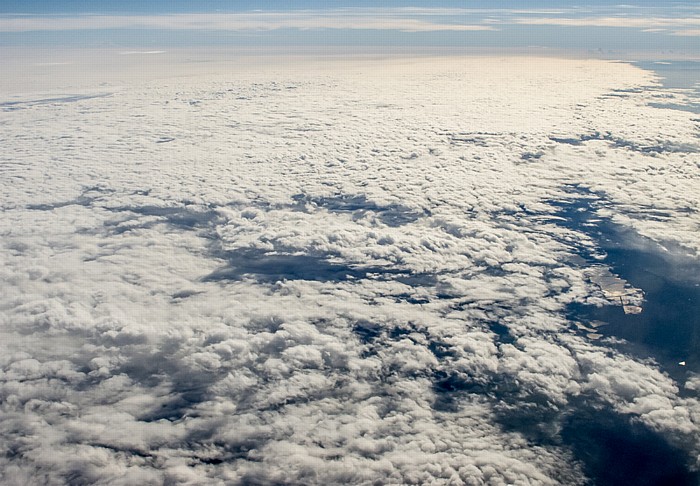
x=669 y=320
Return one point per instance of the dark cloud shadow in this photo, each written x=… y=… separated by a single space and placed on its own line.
x=87 y=198
x=266 y=267
x=393 y=215
x=22 y=104
x=181 y=217
x=617 y=142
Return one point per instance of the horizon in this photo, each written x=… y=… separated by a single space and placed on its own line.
x=599 y=28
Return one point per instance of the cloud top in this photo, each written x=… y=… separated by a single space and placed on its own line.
x=333 y=272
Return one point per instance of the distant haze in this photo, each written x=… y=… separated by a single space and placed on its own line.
x=603 y=29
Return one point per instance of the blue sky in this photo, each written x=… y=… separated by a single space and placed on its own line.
x=672 y=27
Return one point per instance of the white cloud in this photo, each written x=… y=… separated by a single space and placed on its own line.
x=177 y=311
x=687 y=32
x=639 y=22
x=252 y=21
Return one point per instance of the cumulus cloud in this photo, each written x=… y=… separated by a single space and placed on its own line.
x=328 y=275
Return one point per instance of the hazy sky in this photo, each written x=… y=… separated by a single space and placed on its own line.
x=639 y=26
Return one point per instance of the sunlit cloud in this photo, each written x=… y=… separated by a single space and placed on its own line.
x=325 y=273
x=688 y=33
x=254 y=21
x=618 y=22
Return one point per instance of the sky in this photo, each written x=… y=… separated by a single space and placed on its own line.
x=670 y=28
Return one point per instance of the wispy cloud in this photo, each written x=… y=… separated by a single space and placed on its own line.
x=687 y=33
x=254 y=21
x=404 y=19
x=613 y=21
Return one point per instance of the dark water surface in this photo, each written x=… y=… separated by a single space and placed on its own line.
x=668 y=329
x=678 y=75
x=616 y=449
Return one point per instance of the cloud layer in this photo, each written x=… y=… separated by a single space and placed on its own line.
x=351 y=273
